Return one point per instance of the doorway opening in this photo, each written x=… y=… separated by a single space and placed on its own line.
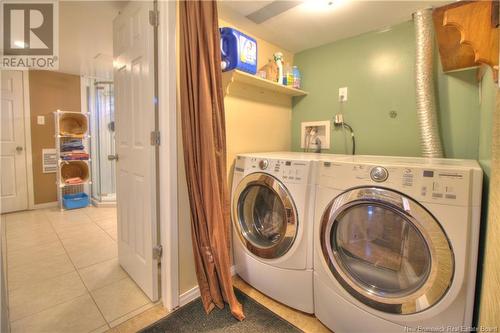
x=96 y=266
x=100 y=105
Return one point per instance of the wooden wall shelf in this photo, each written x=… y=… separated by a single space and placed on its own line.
x=253 y=80
x=467 y=34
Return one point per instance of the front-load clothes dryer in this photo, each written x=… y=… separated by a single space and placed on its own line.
x=272 y=215
x=395 y=243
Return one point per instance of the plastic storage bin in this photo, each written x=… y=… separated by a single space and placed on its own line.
x=74 y=201
x=239 y=51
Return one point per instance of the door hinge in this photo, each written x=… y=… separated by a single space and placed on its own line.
x=155 y=138
x=157 y=252
x=154 y=17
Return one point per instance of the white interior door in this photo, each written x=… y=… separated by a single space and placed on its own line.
x=14 y=186
x=133 y=48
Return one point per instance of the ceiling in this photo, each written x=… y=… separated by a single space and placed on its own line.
x=86 y=27
x=313 y=22
x=86 y=37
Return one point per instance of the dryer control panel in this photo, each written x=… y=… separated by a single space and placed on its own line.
x=429 y=184
x=288 y=171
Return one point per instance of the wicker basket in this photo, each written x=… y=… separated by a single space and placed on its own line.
x=72 y=169
x=73 y=124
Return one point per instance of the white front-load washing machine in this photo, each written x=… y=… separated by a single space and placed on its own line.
x=272 y=215
x=395 y=243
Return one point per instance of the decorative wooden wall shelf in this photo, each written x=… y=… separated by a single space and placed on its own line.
x=253 y=80
x=468 y=34
x=454 y=56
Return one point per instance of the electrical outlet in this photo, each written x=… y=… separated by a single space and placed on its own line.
x=40 y=120
x=343 y=94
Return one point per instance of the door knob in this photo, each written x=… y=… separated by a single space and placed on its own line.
x=113 y=157
x=19 y=149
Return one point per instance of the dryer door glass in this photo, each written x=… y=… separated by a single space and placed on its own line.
x=264 y=216
x=381 y=250
x=386 y=250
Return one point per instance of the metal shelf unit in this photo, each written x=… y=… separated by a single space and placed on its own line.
x=62 y=187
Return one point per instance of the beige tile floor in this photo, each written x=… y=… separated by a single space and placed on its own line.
x=63 y=276
x=63 y=273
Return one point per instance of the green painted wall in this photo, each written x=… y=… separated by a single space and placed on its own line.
x=487 y=108
x=486 y=113
x=378 y=69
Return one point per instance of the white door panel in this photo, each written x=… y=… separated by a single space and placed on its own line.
x=14 y=187
x=133 y=49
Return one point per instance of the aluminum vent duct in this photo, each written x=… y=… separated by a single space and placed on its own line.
x=430 y=140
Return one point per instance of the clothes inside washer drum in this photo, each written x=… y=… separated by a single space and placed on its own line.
x=270 y=220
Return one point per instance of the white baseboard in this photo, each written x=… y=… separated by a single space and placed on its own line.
x=194 y=292
x=46 y=205
x=100 y=204
x=189 y=296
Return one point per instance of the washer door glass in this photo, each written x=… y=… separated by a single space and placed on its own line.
x=264 y=215
x=386 y=250
x=381 y=250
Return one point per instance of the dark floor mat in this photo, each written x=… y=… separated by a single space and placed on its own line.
x=192 y=318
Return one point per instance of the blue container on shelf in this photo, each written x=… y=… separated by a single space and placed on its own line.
x=239 y=51
x=74 y=201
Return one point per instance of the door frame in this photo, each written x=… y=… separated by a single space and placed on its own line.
x=167 y=97
x=27 y=139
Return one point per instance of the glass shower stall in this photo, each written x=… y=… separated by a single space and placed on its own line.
x=100 y=102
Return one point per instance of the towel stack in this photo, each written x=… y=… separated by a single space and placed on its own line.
x=73 y=144
x=75 y=155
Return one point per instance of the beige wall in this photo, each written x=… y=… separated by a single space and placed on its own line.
x=49 y=91
x=255 y=121
x=489 y=307
x=187 y=272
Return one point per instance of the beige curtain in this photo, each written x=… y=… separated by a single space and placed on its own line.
x=204 y=139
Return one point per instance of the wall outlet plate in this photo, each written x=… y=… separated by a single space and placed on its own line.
x=40 y=120
x=323 y=133
x=343 y=94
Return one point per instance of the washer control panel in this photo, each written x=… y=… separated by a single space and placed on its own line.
x=286 y=170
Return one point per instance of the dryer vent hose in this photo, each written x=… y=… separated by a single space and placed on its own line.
x=430 y=140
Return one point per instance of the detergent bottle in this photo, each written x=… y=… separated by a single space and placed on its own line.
x=238 y=51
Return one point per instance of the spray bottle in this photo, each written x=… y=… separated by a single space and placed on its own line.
x=278 y=58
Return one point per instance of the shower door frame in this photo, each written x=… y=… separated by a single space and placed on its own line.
x=98 y=138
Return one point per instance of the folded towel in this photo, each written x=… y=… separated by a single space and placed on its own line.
x=75 y=180
x=75 y=155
